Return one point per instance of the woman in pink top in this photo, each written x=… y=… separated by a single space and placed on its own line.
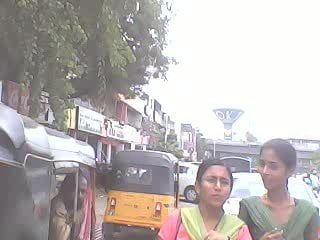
x=207 y=221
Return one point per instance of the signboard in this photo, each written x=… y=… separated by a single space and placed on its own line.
x=123 y=133
x=186 y=127
x=115 y=130
x=132 y=135
x=90 y=121
x=16 y=93
x=228 y=115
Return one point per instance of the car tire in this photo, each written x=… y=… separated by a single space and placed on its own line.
x=190 y=194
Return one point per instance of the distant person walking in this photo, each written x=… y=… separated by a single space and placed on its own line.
x=314 y=180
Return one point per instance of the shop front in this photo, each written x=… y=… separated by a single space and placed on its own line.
x=86 y=125
x=120 y=137
x=106 y=136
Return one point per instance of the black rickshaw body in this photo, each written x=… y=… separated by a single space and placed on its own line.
x=31 y=158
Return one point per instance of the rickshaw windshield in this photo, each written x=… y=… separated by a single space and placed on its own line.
x=142 y=179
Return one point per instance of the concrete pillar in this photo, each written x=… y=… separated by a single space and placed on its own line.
x=99 y=151
x=133 y=146
x=109 y=153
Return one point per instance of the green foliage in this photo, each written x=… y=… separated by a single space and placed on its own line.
x=250 y=137
x=171 y=146
x=76 y=48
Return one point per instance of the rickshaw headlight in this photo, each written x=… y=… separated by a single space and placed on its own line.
x=158 y=209
x=113 y=204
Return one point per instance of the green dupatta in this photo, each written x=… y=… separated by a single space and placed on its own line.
x=262 y=217
x=194 y=225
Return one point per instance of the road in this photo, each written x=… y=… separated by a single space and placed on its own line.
x=101 y=198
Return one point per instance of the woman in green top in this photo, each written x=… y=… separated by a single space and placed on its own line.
x=276 y=215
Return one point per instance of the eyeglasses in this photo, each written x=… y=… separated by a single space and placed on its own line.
x=214 y=181
x=272 y=166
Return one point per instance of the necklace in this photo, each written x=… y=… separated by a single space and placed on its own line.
x=290 y=202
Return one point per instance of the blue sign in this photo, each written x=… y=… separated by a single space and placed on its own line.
x=228 y=115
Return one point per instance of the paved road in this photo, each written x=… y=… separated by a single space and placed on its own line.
x=101 y=199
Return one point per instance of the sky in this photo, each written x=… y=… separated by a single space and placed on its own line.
x=260 y=56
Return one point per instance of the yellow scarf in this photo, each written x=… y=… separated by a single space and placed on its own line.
x=194 y=225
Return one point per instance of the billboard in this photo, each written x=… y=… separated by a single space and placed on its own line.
x=228 y=116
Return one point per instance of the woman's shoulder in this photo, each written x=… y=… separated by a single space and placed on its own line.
x=233 y=219
x=250 y=200
x=305 y=205
x=174 y=215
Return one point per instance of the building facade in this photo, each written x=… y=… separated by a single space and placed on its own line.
x=188 y=142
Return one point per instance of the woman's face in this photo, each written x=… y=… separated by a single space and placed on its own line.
x=215 y=186
x=273 y=171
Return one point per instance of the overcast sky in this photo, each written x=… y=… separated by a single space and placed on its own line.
x=260 y=56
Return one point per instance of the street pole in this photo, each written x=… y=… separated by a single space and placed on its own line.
x=166 y=130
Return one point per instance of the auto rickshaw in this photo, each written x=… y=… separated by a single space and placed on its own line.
x=33 y=161
x=143 y=192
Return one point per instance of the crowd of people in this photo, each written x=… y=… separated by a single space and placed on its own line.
x=273 y=216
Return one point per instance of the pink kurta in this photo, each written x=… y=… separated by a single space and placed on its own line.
x=169 y=229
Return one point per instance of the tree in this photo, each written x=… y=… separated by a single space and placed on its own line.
x=250 y=137
x=72 y=48
x=171 y=146
x=41 y=38
x=121 y=53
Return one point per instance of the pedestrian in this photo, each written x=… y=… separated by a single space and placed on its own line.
x=62 y=224
x=207 y=221
x=314 y=180
x=307 y=179
x=276 y=215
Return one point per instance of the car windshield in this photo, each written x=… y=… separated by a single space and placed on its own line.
x=142 y=178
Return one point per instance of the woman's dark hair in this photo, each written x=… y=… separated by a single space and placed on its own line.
x=284 y=150
x=69 y=183
x=209 y=163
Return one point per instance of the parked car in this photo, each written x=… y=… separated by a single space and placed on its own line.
x=187 y=179
x=251 y=184
x=245 y=185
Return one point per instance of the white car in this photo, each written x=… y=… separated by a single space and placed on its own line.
x=245 y=185
x=187 y=178
x=250 y=184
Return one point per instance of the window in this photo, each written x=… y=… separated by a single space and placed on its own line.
x=183 y=169
x=143 y=179
x=38 y=173
x=134 y=175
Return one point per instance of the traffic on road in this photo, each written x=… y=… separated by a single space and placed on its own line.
x=150 y=194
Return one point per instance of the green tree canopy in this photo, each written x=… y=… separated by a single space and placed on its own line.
x=70 y=48
x=170 y=146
